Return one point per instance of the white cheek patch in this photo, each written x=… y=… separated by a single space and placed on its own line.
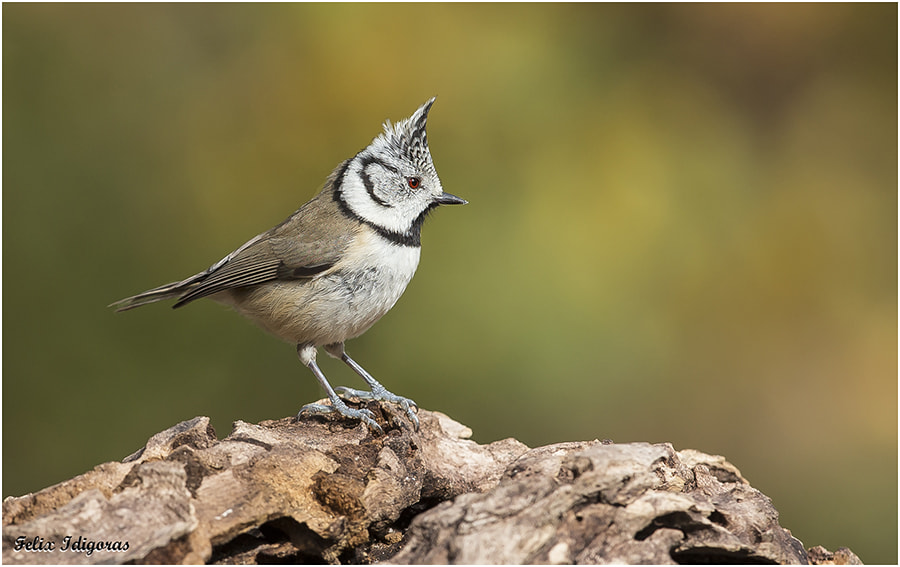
x=358 y=200
x=394 y=213
x=373 y=178
x=383 y=185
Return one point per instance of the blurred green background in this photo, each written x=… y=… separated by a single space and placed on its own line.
x=682 y=227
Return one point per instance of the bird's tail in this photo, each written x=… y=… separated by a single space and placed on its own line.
x=161 y=293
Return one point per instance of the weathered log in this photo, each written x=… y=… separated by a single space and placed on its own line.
x=325 y=489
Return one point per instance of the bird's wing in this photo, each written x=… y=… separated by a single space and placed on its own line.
x=309 y=242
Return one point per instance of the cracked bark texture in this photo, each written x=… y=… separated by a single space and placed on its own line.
x=327 y=490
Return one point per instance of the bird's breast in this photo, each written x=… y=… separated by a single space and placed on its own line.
x=372 y=276
x=338 y=304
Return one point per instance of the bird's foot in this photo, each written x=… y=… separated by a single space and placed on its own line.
x=340 y=407
x=382 y=394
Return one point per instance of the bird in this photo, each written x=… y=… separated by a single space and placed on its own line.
x=336 y=265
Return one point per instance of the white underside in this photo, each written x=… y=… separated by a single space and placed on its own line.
x=336 y=305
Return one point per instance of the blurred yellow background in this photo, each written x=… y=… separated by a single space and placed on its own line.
x=682 y=227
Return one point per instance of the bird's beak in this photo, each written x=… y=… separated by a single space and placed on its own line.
x=448 y=199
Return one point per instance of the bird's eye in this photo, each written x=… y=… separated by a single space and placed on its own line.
x=413 y=182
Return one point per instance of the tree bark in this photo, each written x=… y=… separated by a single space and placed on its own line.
x=326 y=489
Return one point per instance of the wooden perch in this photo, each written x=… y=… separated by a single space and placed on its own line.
x=327 y=490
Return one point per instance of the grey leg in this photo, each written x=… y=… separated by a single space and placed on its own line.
x=378 y=392
x=307 y=354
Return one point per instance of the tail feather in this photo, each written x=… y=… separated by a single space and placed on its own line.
x=161 y=293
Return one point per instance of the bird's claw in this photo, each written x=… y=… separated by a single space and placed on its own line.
x=382 y=394
x=361 y=414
